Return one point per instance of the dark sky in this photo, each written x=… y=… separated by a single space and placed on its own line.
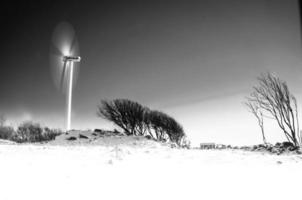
x=195 y=60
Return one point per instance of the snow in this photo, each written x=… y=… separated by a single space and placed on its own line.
x=120 y=167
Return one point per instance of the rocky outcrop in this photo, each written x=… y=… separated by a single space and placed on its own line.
x=278 y=148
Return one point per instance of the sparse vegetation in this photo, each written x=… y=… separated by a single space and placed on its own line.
x=6 y=132
x=136 y=119
x=28 y=132
x=33 y=132
x=273 y=97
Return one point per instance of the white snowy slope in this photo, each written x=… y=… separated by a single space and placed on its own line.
x=120 y=167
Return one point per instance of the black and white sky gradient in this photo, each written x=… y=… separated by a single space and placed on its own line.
x=195 y=60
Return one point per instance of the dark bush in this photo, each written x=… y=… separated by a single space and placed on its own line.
x=136 y=119
x=165 y=127
x=126 y=114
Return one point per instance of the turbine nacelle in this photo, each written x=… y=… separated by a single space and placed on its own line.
x=71 y=58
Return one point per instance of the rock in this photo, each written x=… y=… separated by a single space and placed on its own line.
x=83 y=136
x=291 y=148
x=299 y=151
x=71 y=138
x=94 y=134
x=115 y=131
x=278 y=148
x=262 y=146
x=269 y=148
x=148 y=137
x=281 y=150
x=254 y=147
x=243 y=148
x=278 y=144
x=100 y=131
x=221 y=146
x=287 y=144
x=279 y=162
x=274 y=150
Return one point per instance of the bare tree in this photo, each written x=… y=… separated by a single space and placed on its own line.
x=273 y=96
x=254 y=108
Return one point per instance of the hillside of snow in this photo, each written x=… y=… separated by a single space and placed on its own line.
x=100 y=166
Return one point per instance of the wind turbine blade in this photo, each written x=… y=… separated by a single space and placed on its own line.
x=300 y=18
x=74 y=49
x=63 y=40
x=62 y=37
x=54 y=50
x=56 y=66
x=63 y=76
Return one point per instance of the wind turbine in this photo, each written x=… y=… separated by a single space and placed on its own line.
x=64 y=61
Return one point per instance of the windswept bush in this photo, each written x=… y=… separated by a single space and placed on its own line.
x=126 y=114
x=165 y=127
x=136 y=119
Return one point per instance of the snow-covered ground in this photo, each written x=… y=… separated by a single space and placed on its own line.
x=136 y=168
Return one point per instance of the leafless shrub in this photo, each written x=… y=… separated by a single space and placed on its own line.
x=273 y=96
x=33 y=132
x=29 y=132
